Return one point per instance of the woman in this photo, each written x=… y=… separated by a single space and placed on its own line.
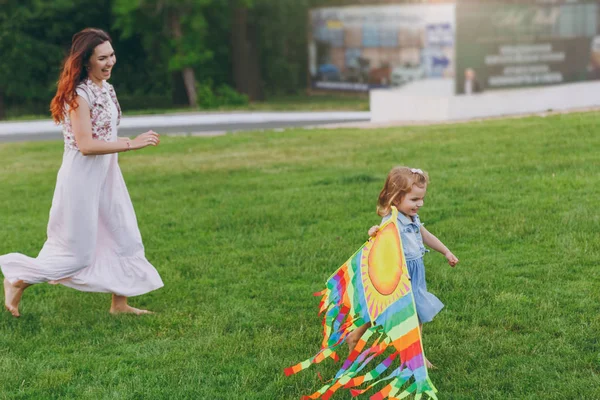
x=94 y=243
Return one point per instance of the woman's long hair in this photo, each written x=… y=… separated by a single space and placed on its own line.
x=74 y=70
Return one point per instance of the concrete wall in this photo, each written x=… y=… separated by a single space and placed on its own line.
x=404 y=105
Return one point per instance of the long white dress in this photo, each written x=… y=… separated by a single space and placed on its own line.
x=94 y=244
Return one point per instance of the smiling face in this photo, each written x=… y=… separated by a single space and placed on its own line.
x=412 y=201
x=101 y=62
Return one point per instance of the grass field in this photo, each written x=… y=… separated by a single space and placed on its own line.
x=319 y=102
x=245 y=227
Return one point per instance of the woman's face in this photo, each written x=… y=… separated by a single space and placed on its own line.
x=101 y=62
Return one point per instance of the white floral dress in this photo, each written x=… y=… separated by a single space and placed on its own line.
x=94 y=244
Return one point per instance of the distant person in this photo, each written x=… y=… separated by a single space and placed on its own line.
x=405 y=190
x=594 y=65
x=93 y=244
x=471 y=83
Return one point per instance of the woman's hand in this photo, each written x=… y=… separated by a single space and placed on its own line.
x=452 y=260
x=373 y=231
x=146 y=139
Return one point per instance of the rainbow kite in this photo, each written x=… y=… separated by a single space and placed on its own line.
x=373 y=286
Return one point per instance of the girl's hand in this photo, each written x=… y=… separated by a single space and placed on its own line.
x=149 y=138
x=373 y=231
x=452 y=260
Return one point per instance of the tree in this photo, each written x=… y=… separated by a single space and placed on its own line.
x=245 y=50
x=282 y=27
x=35 y=36
x=30 y=57
x=175 y=28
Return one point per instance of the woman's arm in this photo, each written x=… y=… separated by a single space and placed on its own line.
x=82 y=128
x=430 y=240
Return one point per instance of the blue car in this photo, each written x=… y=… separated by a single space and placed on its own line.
x=328 y=73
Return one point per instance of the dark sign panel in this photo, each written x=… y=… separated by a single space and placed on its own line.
x=516 y=45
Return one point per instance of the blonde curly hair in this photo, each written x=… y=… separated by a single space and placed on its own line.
x=399 y=182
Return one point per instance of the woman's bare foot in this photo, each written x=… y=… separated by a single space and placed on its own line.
x=12 y=296
x=119 y=306
x=128 y=310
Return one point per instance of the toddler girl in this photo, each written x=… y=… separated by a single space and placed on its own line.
x=405 y=189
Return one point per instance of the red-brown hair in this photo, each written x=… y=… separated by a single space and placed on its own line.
x=399 y=182
x=74 y=71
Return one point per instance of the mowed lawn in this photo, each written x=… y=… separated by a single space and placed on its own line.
x=245 y=227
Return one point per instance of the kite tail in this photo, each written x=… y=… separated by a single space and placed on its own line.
x=349 y=377
x=338 y=321
x=359 y=357
x=400 y=376
x=419 y=389
x=359 y=293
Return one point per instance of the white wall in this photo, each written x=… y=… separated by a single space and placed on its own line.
x=404 y=105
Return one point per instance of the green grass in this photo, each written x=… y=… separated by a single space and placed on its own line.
x=245 y=227
x=276 y=103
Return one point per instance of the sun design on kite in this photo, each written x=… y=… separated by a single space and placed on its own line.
x=384 y=273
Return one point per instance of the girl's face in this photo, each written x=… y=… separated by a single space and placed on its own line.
x=101 y=62
x=412 y=201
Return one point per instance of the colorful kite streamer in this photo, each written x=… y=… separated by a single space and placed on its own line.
x=373 y=286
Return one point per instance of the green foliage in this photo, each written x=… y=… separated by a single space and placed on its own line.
x=282 y=29
x=35 y=36
x=206 y=95
x=231 y=97
x=211 y=97
x=178 y=27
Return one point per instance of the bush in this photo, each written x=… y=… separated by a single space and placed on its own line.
x=230 y=96
x=224 y=95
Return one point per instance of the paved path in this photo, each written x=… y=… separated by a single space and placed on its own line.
x=195 y=124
